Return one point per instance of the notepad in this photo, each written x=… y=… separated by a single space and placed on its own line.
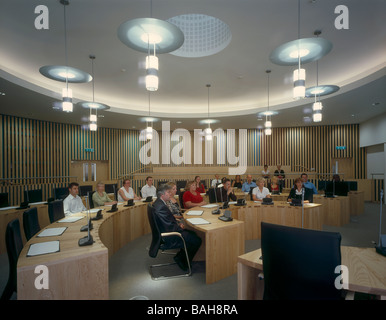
x=197 y=221
x=209 y=206
x=232 y=202
x=50 y=232
x=37 y=249
x=195 y=213
x=70 y=219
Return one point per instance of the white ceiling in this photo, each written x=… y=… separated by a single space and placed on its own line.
x=237 y=75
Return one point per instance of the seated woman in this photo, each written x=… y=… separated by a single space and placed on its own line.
x=126 y=192
x=191 y=197
x=260 y=192
x=199 y=186
x=172 y=203
x=274 y=186
x=297 y=191
x=100 y=197
x=237 y=183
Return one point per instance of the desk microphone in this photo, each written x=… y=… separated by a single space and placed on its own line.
x=87 y=240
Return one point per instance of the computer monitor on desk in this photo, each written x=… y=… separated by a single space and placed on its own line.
x=32 y=196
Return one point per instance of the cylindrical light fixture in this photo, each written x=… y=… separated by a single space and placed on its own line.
x=317 y=106
x=299 y=79
x=67 y=105
x=268 y=131
x=93 y=126
x=152 y=62
x=208 y=133
x=151 y=80
x=268 y=124
x=317 y=117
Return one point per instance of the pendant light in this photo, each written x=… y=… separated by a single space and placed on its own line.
x=299 y=75
x=149 y=125
x=268 y=122
x=317 y=105
x=208 y=131
x=65 y=73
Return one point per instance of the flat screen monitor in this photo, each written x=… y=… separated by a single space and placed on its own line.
x=83 y=190
x=61 y=193
x=4 y=200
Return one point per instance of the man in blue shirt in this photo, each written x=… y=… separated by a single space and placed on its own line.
x=247 y=185
x=308 y=184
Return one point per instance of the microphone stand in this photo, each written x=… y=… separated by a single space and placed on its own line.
x=216 y=211
x=303 y=207
x=381 y=248
x=87 y=240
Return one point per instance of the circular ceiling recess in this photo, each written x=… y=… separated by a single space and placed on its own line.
x=204 y=35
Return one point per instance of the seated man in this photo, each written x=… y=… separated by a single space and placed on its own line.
x=225 y=193
x=148 y=189
x=215 y=181
x=168 y=223
x=73 y=203
x=307 y=184
x=249 y=184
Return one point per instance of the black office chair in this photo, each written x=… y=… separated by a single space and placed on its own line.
x=211 y=195
x=14 y=244
x=31 y=222
x=90 y=200
x=158 y=243
x=4 y=200
x=55 y=210
x=60 y=193
x=299 y=263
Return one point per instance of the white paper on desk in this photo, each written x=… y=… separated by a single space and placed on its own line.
x=197 y=221
x=50 y=232
x=209 y=206
x=92 y=211
x=232 y=202
x=8 y=208
x=43 y=248
x=70 y=219
x=195 y=213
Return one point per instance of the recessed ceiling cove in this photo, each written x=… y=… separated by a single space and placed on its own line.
x=204 y=35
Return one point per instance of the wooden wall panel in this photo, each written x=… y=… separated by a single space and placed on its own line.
x=33 y=148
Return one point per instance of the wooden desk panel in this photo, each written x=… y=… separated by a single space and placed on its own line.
x=81 y=272
x=357 y=202
x=336 y=211
x=278 y=213
x=222 y=243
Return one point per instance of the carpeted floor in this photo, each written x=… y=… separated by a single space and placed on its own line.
x=129 y=275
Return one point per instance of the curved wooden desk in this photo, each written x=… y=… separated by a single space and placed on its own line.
x=279 y=213
x=81 y=272
x=222 y=243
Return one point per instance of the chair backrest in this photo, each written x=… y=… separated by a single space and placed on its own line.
x=4 y=200
x=156 y=234
x=299 y=263
x=90 y=200
x=14 y=244
x=55 y=210
x=84 y=189
x=31 y=222
x=32 y=196
x=61 y=193
x=212 y=196
x=181 y=198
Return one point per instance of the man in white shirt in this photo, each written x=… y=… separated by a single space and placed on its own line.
x=216 y=181
x=73 y=203
x=148 y=189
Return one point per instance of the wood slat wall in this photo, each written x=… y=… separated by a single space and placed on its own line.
x=34 y=148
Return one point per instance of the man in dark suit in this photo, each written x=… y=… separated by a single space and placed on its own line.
x=168 y=223
x=226 y=193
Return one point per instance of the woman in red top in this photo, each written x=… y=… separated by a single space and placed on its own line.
x=191 y=197
x=199 y=186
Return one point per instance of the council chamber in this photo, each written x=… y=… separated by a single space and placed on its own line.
x=178 y=150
